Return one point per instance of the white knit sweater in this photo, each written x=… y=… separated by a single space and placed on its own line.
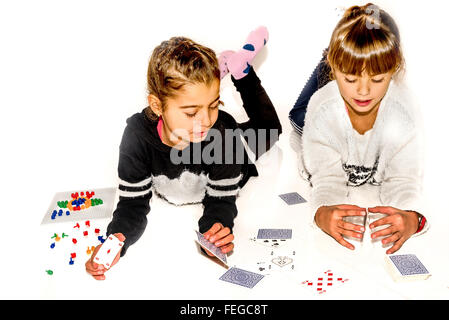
x=335 y=157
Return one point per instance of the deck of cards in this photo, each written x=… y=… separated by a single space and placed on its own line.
x=406 y=267
x=108 y=251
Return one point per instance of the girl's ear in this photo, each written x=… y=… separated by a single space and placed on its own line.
x=155 y=104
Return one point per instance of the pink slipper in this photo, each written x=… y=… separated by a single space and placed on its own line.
x=239 y=63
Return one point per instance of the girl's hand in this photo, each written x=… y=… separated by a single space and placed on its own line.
x=403 y=224
x=221 y=237
x=330 y=220
x=98 y=270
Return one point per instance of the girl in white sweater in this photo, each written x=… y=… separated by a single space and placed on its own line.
x=360 y=128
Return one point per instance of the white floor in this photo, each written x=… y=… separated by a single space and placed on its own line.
x=72 y=75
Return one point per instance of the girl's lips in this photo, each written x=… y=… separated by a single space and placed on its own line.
x=362 y=103
x=200 y=134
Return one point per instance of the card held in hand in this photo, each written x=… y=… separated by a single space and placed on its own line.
x=209 y=246
x=406 y=267
x=108 y=251
x=241 y=277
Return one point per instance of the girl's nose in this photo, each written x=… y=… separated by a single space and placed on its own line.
x=363 y=88
x=205 y=118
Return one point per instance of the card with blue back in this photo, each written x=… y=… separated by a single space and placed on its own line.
x=292 y=198
x=206 y=244
x=274 y=234
x=406 y=267
x=241 y=277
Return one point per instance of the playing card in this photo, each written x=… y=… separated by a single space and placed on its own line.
x=108 y=251
x=324 y=282
x=373 y=216
x=277 y=262
x=241 y=277
x=206 y=244
x=358 y=220
x=274 y=234
x=406 y=267
x=271 y=243
x=292 y=198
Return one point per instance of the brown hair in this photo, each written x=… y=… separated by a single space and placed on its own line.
x=176 y=62
x=366 y=39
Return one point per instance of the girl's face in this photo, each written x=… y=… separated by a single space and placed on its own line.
x=188 y=116
x=362 y=94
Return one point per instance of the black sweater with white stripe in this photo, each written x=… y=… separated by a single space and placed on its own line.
x=146 y=165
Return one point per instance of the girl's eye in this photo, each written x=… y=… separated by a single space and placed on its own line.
x=190 y=115
x=378 y=80
x=350 y=80
x=219 y=103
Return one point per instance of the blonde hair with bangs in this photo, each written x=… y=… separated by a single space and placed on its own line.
x=366 y=39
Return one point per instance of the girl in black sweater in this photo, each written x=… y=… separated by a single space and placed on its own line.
x=183 y=148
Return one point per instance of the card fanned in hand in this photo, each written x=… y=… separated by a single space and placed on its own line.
x=206 y=244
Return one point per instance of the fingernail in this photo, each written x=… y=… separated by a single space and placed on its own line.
x=362 y=229
x=212 y=239
x=218 y=243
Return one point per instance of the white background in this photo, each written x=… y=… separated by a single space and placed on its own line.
x=71 y=72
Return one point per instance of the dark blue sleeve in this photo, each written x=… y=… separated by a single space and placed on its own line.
x=319 y=78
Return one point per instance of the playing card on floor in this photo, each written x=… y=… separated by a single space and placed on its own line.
x=206 y=244
x=273 y=238
x=241 y=277
x=277 y=262
x=271 y=243
x=274 y=234
x=324 y=282
x=292 y=198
